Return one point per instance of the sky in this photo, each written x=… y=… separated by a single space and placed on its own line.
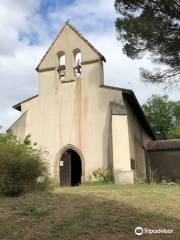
x=27 y=28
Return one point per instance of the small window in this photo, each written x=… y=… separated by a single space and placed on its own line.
x=133 y=166
x=77 y=60
x=62 y=66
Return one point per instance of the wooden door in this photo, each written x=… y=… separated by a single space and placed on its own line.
x=65 y=169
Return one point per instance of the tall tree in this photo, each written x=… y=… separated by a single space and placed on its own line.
x=152 y=26
x=164 y=116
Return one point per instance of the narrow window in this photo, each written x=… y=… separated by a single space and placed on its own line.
x=77 y=61
x=133 y=165
x=62 y=66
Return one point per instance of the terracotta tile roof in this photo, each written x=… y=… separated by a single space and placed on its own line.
x=163 y=145
x=80 y=35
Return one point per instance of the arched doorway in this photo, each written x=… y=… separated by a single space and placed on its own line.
x=70 y=168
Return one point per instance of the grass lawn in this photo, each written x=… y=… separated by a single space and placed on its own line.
x=108 y=212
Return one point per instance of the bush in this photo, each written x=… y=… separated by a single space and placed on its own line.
x=21 y=165
x=102 y=175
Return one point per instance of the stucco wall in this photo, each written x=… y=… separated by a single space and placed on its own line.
x=138 y=139
x=165 y=164
x=19 y=126
x=121 y=152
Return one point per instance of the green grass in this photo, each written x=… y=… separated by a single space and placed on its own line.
x=91 y=212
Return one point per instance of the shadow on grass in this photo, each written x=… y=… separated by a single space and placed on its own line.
x=68 y=216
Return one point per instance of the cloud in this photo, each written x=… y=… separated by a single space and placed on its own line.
x=18 y=57
x=18 y=80
x=26 y=31
x=94 y=15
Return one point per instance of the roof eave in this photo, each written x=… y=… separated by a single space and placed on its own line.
x=147 y=125
x=163 y=150
x=18 y=105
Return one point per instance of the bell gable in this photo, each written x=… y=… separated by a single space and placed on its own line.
x=67 y=43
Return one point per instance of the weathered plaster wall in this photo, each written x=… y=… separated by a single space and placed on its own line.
x=19 y=127
x=138 y=139
x=121 y=152
x=165 y=164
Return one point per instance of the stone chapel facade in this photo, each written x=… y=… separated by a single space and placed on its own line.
x=82 y=123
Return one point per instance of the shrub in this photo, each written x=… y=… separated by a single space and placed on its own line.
x=21 y=165
x=102 y=175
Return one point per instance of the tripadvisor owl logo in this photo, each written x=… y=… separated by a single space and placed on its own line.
x=139 y=231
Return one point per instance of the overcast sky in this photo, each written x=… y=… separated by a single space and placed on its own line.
x=27 y=27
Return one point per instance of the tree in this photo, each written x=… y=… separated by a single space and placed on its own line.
x=151 y=26
x=163 y=116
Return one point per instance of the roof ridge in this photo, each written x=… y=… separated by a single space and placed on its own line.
x=83 y=38
x=80 y=35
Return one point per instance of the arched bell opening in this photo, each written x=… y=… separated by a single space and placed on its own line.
x=62 y=65
x=77 y=62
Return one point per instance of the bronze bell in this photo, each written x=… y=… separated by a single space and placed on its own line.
x=78 y=68
x=61 y=70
